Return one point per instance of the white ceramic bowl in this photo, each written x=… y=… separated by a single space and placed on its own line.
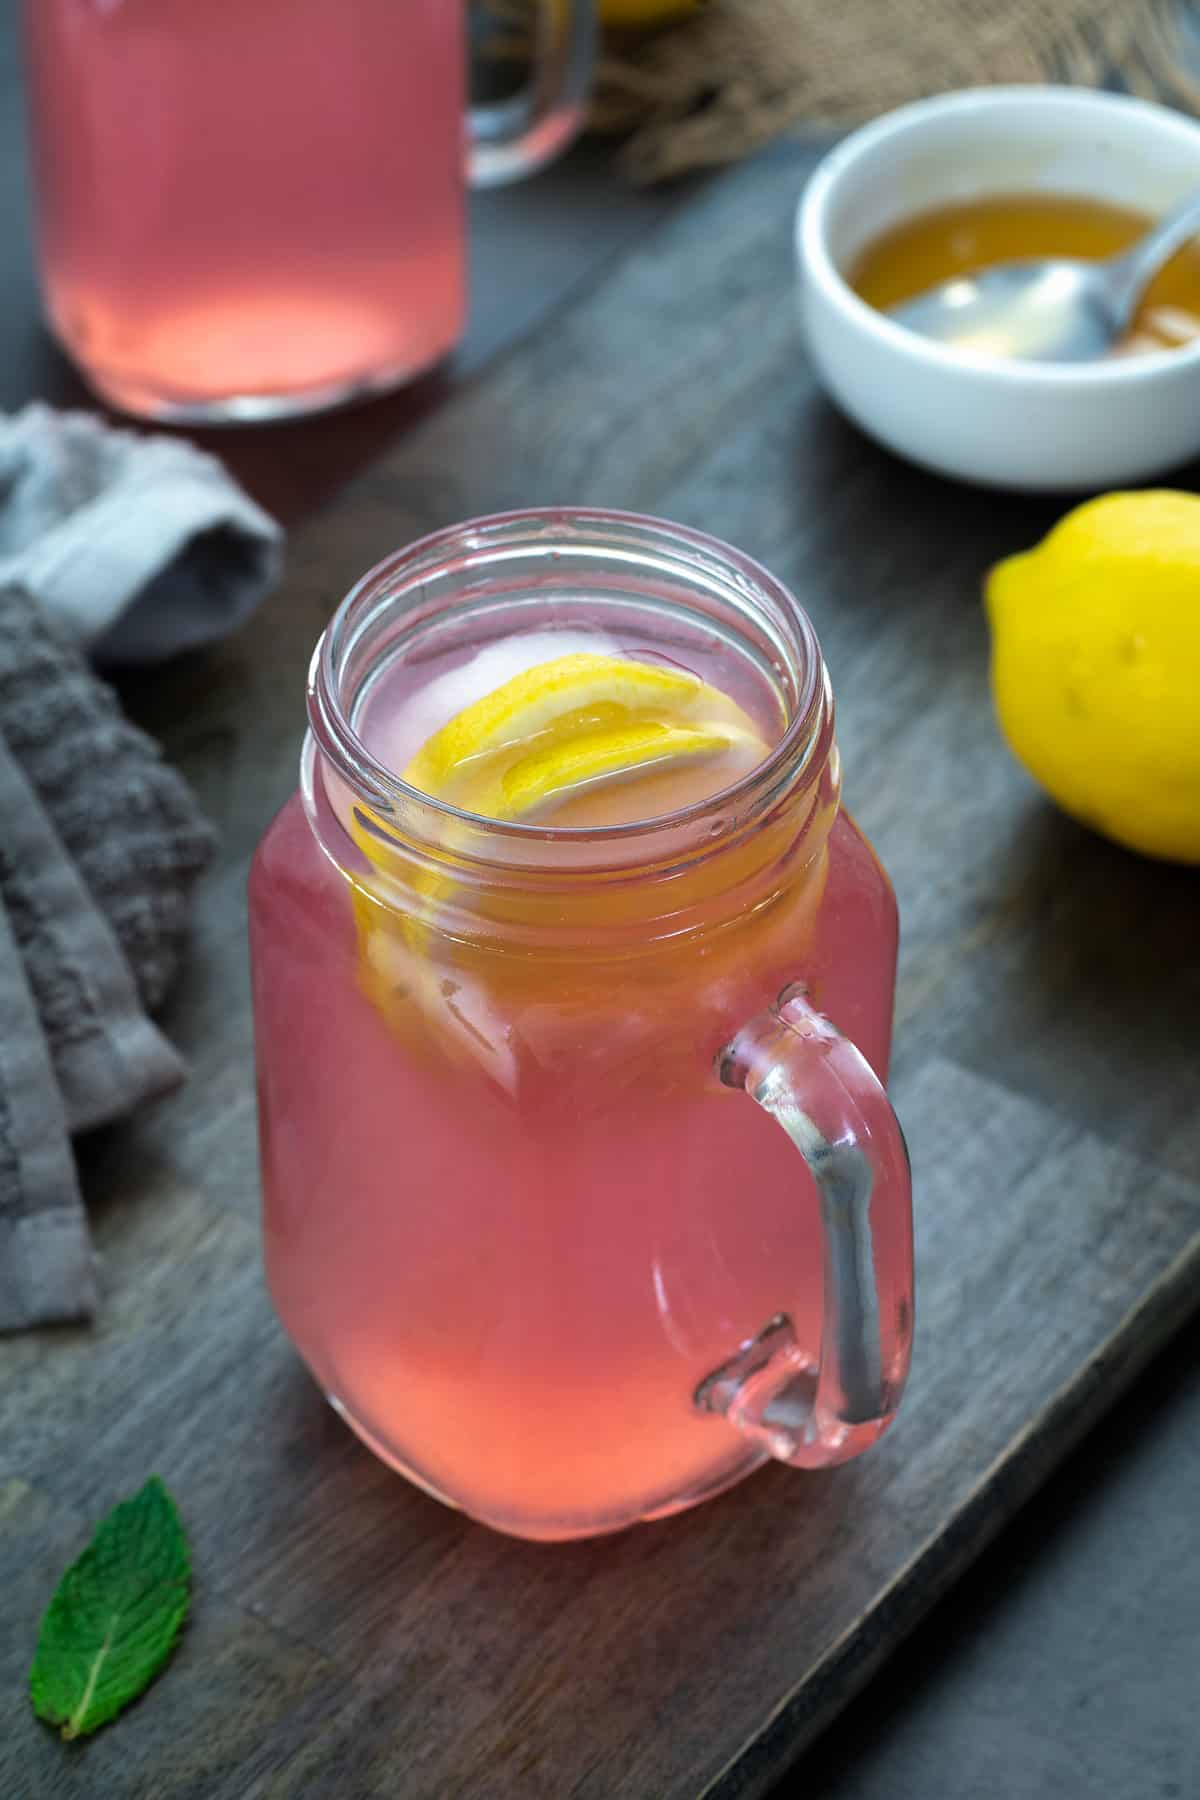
x=1006 y=423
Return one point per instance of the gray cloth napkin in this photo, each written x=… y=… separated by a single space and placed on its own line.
x=100 y=846
x=124 y=548
x=141 y=546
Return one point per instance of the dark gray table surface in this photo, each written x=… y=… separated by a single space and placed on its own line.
x=1067 y=1663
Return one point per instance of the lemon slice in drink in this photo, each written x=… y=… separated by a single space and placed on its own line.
x=571 y=724
x=521 y=753
x=531 y=786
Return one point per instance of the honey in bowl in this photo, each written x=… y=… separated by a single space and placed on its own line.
x=932 y=247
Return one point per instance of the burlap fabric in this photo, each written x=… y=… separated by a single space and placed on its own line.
x=728 y=78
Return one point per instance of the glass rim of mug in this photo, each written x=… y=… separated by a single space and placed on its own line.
x=793 y=761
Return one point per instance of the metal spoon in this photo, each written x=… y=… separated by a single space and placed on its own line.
x=1059 y=309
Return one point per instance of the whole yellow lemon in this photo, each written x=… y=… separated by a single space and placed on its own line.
x=1096 y=667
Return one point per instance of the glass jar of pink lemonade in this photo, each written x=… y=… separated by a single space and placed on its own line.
x=249 y=209
x=582 y=1194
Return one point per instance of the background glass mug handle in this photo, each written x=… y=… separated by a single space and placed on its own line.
x=515 y=136
x=820 y=1088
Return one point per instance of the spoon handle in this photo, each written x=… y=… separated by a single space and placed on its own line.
x=1130 y=275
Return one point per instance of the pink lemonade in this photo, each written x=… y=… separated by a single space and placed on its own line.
x=513 y=1217
x=255 y=206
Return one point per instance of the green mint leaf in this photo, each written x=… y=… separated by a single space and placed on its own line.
x=115 y=1615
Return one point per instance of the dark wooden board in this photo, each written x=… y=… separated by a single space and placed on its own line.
x=350 y=1636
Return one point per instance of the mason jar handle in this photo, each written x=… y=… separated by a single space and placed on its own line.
x=515 y=137
x=820 y=1088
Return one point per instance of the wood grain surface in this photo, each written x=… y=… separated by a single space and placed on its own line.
x=353 y=1639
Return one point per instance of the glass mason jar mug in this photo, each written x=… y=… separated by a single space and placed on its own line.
x=582 y=1193
x=251 y=209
